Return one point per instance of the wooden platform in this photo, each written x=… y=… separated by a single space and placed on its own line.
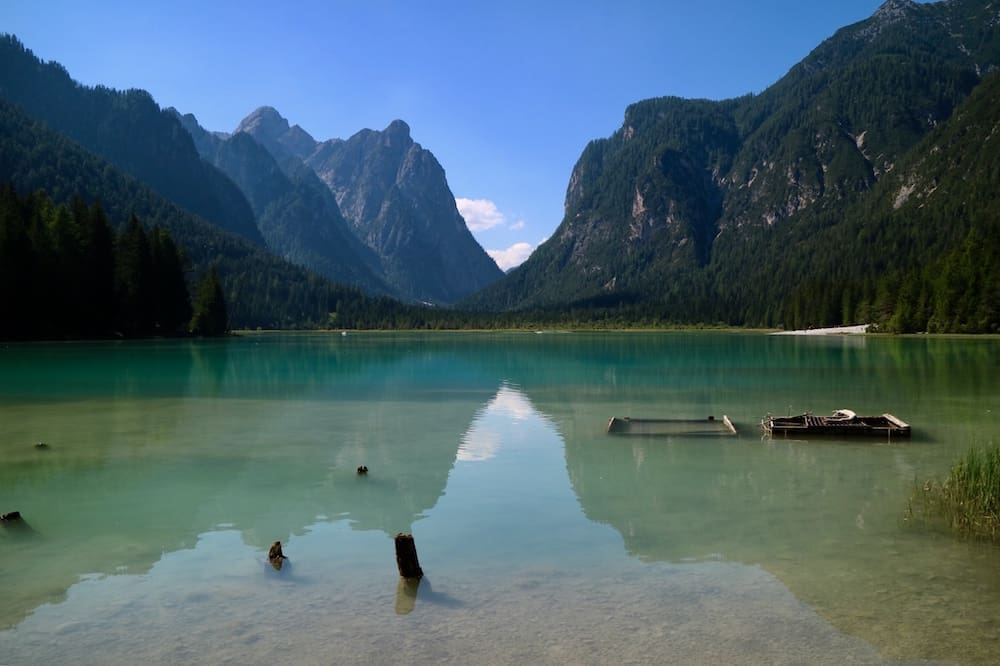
x=842 y=422
x=707 y=427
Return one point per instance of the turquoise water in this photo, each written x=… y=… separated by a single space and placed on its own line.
x=170 y=468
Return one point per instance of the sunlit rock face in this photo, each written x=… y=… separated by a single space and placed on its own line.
x=395 y=197
x=296 y=214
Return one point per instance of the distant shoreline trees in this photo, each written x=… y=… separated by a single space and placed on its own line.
x=66 y=274
x=210 y=316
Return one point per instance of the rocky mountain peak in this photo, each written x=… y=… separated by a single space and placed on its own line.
x=395 y=196
x=398 y=128
x=265 y=122
x=299 y=141
x=890 y=13
x=273 y=132
x=396 y=134
x=893 y=10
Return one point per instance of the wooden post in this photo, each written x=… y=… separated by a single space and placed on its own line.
x=406 y=557
x=406 y=595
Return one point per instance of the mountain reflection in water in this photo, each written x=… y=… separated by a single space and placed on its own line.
x=172 y=467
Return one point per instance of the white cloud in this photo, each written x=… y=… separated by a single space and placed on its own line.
x=480 y=214
x=513 y=256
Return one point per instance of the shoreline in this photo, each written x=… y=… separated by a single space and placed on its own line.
x=860 y=329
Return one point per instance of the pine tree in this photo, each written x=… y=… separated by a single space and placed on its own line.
x=132 y=280
x=99 y=273
x=170 y=305
x=210 y=316
x=16 y=264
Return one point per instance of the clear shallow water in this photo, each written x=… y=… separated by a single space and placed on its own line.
x=172 y=466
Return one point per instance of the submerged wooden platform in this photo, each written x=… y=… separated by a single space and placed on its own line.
x=842 y=422
x=707 y=427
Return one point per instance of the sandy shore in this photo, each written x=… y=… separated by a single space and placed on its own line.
x=860 y=329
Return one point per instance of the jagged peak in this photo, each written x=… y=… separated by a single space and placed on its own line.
x=892 y=11
x=268 y=113
x=297 y=130
x=298 y=141
x=889 y=13
x=398 y=128
x=264 y=120
x=183 y=117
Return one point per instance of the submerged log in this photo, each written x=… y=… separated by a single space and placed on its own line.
x=406 y=557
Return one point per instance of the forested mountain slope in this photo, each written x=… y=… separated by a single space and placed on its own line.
x=412 y=243
x=130 y=131
x=121 y=150
x=770 y=209
x=261 y=289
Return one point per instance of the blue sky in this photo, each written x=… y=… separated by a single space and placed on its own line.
x=505 y=94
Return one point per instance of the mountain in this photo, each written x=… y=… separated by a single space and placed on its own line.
x=860 y=187
x=261 y=289
x=256 y=183
x=272 y=131
x=704 y=211
x=402 y=219
x=119 y=150
x=296 y=214
x=395 y=196
x=130 y=131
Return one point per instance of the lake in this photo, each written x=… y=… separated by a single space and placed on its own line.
x=171 y=466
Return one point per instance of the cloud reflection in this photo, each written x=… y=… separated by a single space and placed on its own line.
x=482 y=440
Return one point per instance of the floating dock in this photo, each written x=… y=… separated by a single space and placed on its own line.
x=842 y=422
x=707 y=427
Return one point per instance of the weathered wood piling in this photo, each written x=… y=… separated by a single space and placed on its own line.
x=406 y=557
x=406 y=595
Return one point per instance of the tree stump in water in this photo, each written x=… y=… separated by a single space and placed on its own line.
x=275 y=556
x=406 y=595
x=406 y=557
x=13 y=523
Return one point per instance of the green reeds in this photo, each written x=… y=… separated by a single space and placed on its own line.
x=968 y=501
